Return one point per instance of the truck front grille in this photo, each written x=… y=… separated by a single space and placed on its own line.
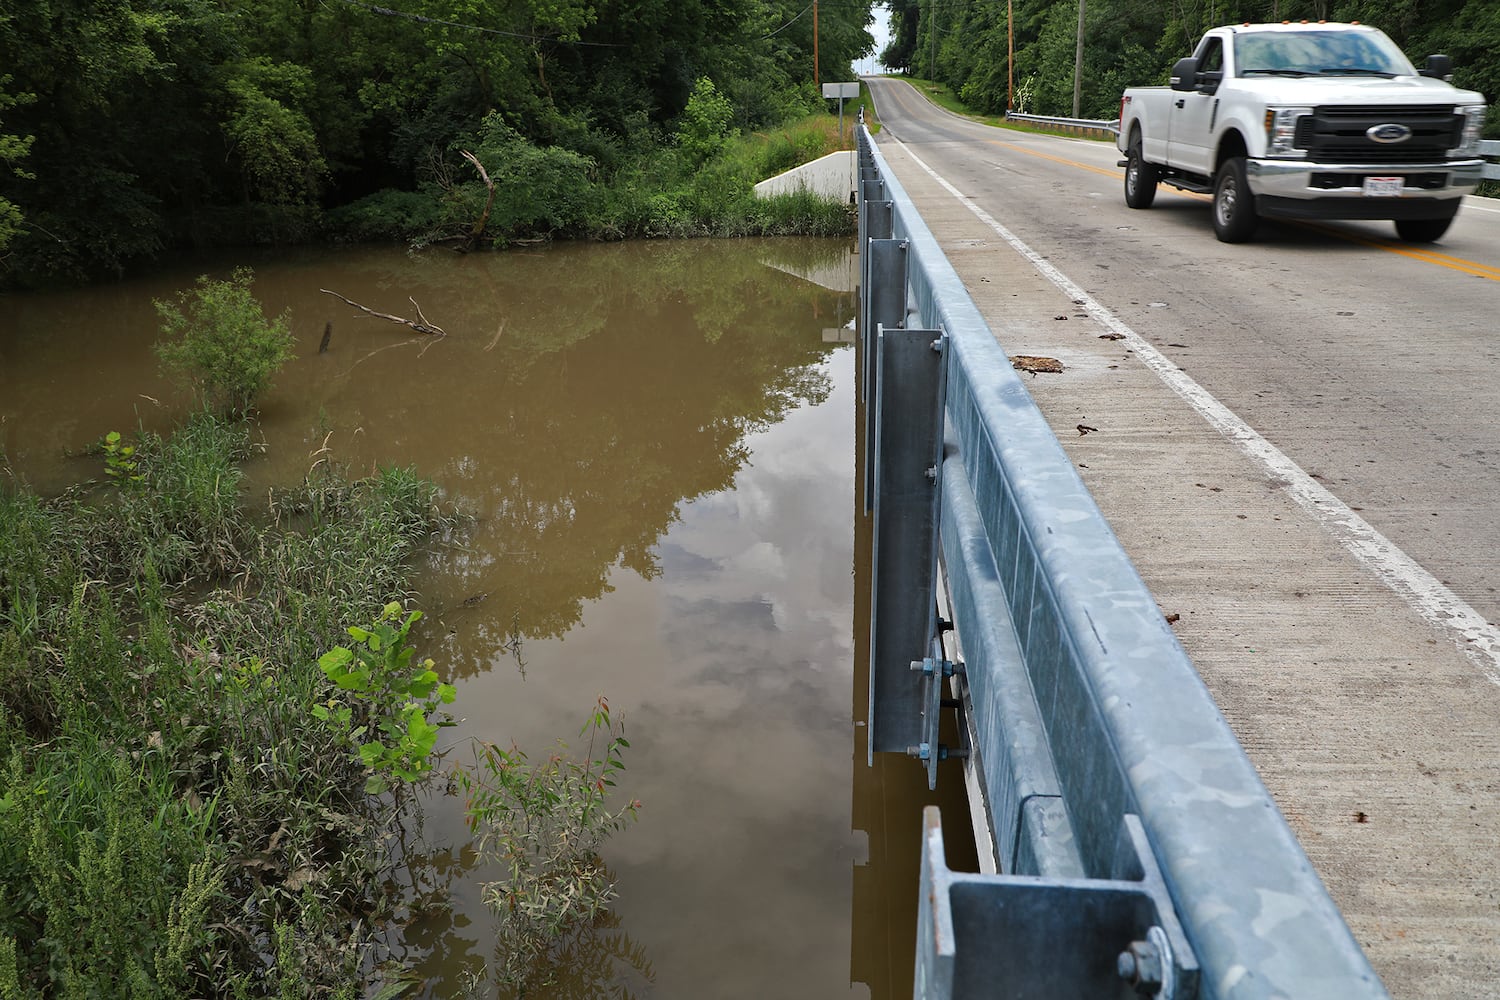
x=1339 y=134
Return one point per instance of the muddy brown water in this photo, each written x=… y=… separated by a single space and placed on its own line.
x=657 y=443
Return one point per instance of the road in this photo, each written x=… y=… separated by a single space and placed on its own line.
x=1297 y=441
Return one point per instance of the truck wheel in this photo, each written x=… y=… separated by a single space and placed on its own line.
x=1234 y=205
x=1422 y=230
x=1140 y=177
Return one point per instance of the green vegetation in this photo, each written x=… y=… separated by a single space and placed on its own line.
x=542 y=825
x=390 y=704
x=701 y=186
x=965 y=47
x=171 y=812
x=218 y=341
x=135 y=127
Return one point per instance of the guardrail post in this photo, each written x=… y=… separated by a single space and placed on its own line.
x=910 y=383
x=875 y=219
x=882 y=303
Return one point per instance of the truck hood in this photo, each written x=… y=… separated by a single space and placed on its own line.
x=1312 y=90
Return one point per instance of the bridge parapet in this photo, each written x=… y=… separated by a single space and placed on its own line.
x=1135 y=850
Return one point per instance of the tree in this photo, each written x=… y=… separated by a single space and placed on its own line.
x=13 y=149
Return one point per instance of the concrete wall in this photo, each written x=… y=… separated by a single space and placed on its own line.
x=831 y=177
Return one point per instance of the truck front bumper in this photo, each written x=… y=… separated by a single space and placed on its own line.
x=1305 y=190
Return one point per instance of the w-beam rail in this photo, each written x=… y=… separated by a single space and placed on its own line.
x=1093 y=128
x=1136 y=851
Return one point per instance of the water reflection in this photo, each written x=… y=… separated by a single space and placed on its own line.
x=657 y=444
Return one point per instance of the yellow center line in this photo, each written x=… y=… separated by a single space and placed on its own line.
x=1054 y=159
x=1425 y=256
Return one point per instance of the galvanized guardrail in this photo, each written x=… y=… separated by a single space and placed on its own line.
x=1090 y=127
x=1490 y=150
x=1137 y=851
x=1095 y=128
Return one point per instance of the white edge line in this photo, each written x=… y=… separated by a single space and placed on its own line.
x=1426 y=595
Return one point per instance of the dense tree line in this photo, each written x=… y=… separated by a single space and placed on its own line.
x=128 y=127
x=965 y=45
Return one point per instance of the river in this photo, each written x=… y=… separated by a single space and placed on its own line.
x=656 y=443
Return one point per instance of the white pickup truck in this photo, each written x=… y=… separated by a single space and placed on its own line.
x=1306 y=121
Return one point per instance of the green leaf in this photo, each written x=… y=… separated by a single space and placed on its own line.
x=335 y=659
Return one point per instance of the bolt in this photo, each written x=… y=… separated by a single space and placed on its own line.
x=1140 y=966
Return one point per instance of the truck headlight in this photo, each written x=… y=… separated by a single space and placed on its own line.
x=1468 y=140
x=1281 y=130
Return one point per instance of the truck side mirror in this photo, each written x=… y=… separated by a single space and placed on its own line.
x=1185 y=74
x=1438 y=67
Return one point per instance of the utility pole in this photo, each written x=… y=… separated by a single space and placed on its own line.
x=1078 y=62
x=1010 y=56
x=932 y=69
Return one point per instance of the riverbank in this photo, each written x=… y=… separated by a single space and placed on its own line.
x=173 y=814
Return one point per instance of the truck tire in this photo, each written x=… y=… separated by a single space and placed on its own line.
x=1234 y=205
x=1422 y=230
x=1140 y=177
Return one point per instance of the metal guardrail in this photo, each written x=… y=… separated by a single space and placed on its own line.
x=1490 y=150
x=1138 y=851
x=1091 y=127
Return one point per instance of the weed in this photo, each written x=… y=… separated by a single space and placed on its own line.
x=393 y=700
x=544 y=824
x=170 y=823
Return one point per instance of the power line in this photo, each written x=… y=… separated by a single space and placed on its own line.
x=795 y=18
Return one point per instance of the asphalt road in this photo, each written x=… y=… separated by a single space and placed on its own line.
x=1297 y=441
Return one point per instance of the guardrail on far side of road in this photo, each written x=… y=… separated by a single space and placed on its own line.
x=1088 y=128
x=1490 y=150
x=1094 y=128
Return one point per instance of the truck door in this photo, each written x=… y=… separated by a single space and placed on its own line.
x=1193 y=114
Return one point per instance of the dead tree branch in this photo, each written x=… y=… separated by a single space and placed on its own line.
x=421 y=324
x=489 y=202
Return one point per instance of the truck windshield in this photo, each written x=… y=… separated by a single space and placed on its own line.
x=1319 y=53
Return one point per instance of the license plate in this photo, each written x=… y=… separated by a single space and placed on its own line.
x=1383 y=187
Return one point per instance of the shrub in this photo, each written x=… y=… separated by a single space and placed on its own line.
x=539 y=190
x=705 y=121
x=541 y=825
x=217 y=340
x=391 y=215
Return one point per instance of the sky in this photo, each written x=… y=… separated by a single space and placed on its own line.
x=881 y=30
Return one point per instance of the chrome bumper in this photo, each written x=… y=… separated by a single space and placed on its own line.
x=1294 y=178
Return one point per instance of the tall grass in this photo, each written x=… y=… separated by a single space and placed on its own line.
x=173 y=820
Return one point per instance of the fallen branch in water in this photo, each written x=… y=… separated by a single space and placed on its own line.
x=421 y=324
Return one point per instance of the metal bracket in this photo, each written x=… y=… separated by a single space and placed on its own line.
x=1008 y=936
x=934 y=671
